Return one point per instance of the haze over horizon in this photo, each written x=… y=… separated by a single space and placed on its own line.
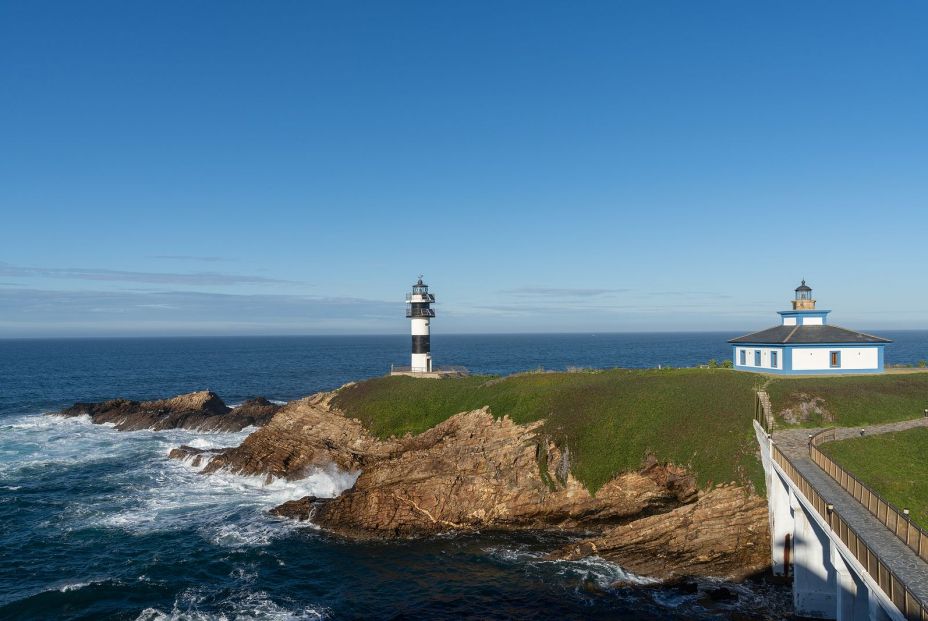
x=230 y=168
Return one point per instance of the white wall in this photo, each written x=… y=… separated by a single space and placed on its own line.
x=812 y=321
x=764 y=357
x=789 y=321
x=421 y=362
x=818 y=358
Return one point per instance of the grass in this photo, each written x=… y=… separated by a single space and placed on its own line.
x=893 y=464
x=609 y=420
x=854 y=401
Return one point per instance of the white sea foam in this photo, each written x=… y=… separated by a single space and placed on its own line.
x=73 y=587
x=603 y=573
x=155 y=493
x=243 y=606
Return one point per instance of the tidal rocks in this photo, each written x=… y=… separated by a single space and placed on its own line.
x=303 y=434
x=203 y=411
x=474 y=472
x=302 y=509
x=723 y=534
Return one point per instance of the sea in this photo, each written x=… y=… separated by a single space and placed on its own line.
x=100 y=524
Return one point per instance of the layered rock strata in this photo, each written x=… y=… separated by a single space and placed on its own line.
x=474 y=472
x=202 y=411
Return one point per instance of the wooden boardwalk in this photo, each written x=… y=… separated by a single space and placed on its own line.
x=902 y=560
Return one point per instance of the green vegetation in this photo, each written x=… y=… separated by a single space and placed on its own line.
x=610 y=420
x=850 y=401
x=893 y=464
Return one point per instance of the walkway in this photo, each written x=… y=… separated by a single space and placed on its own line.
x=911 y=570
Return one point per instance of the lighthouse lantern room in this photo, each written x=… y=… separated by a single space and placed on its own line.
x=420 y=313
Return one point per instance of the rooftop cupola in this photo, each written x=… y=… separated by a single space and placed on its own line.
x=803 y=299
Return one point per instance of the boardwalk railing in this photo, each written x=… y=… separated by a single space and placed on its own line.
x=762 y=412
x=886 y=512
x=910 y=606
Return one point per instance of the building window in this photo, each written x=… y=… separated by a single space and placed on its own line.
x=756 y=357
x=743 y=357
x=773 y=359
x=834 y=359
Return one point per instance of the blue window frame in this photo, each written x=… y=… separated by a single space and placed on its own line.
x=756 y=357
x=744 y=356
x=773 y=359
x=834 y=359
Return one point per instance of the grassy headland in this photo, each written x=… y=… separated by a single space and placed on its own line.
x=851 y=401
x=893 y=464
x=609 y=420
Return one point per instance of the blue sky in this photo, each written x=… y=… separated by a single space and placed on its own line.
x=291 y=167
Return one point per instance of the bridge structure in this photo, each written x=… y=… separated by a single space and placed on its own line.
x=851 y=554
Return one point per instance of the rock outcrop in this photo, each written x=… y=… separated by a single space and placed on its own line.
x=202 y=410
x=723 y=534
x=474 y=472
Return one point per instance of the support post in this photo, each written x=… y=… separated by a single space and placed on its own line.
x=814 y=579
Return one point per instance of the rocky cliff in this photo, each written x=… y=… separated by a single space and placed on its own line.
x=202 y=410
x=474 y=472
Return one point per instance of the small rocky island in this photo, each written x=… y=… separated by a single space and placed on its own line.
x=472 y=471
x=200 y=411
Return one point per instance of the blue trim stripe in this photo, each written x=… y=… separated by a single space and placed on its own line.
x=787 y=359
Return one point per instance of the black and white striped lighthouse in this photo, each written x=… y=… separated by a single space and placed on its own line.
x=420 y=313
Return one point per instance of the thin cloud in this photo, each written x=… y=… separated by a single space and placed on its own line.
x=190 y=257
x=159 y=278
x=710 y=294
x=560 y=292
x=25 y=311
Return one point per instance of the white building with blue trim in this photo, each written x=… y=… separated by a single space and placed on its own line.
x=806 y=344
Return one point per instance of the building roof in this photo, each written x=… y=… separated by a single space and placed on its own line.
x=803 y=287
x=808 y=335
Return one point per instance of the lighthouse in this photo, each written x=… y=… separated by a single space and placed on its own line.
x=420 y=313
x=805 y=343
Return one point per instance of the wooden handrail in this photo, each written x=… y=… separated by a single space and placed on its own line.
x=886 y=512
x=906 y=601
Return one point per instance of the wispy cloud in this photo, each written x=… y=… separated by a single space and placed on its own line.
x=159 y=278
x=30 y=311
x=190 y=257
x=559 y=292
x=707 y=294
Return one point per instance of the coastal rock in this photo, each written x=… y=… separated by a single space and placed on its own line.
x=477 y=472
x=303 y=434
x=473 y=471
x=301 y=509
x=723 y=534
x=202 y=411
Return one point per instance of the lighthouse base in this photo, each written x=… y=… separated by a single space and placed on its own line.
x=432 y=373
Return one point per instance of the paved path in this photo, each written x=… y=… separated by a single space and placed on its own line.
x=905 y=563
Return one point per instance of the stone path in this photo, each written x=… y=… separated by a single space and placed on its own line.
x=905 y=563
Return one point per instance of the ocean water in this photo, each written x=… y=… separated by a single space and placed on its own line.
x=98 y=524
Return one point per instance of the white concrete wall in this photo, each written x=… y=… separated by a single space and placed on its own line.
x=421 y=362
x=764 y=357
x=789 y=321
x=420 y=326
x=819 y=358
x=812 y=321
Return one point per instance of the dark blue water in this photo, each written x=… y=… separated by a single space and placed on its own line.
x=96 y=524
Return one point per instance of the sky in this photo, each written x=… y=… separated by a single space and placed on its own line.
x=206 y=168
